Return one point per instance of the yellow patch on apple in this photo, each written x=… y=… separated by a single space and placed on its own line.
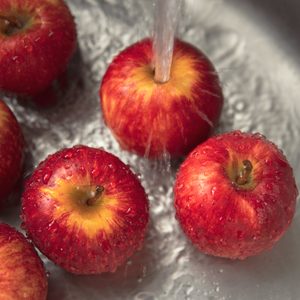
x=72 y=201
x=183 y=77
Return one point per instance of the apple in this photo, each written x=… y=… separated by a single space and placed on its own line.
x=11 y=152
x=152 y=118
x=235 y=195
x=85 y=210
x=22 y=273
x=37 y=40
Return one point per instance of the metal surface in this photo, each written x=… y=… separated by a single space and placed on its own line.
x=255 y=46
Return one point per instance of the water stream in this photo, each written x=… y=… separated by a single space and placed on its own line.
x=167 y=13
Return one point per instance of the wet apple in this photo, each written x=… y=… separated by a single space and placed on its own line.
x=152 y=118
x=85 y=210
x=235 y=195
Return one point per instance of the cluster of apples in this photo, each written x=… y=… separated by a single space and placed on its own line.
x=86 y=210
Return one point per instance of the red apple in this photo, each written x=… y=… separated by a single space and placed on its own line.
x=152 y=118
x=37 y=40
x=85 y=210
x=22 y=273
x=11 y=152
x=235 y=195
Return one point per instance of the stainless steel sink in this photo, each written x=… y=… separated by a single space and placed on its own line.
x=255 y=45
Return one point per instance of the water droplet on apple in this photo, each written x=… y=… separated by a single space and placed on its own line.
x=94 y=172
x=51 y=223
x=68 y=155
x=67 y=166
x=82 y=170
x=269 y=186
x=237 y=133
x=69 y=174
x=195 y=154
x=29 y=47
x=180 y=186
x=258 y=135
x=46 y=178
x=128 y=210
x=268 y=161
x=213 y=190
x=241 y=147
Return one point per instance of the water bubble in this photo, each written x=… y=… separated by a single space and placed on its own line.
x=145 y=296
x=240 y=106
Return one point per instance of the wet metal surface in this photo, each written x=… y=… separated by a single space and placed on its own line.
x=254 y=45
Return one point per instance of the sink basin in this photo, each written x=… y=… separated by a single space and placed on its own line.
x=255 y=46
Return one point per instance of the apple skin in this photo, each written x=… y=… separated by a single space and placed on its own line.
x=81 y=237
x=153 y=119
x=32 y=58
x=22 y=274
x=11 y=152
x=227 y=219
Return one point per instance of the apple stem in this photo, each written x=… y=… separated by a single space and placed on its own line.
x=10 y=22
x=165 y=25
x=243 y=177
x=95 y=196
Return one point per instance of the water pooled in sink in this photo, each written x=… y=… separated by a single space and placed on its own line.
x=168 y=267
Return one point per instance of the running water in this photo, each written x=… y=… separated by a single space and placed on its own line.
x=165 y=24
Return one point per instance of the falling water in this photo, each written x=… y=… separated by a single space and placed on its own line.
x=165 y=25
